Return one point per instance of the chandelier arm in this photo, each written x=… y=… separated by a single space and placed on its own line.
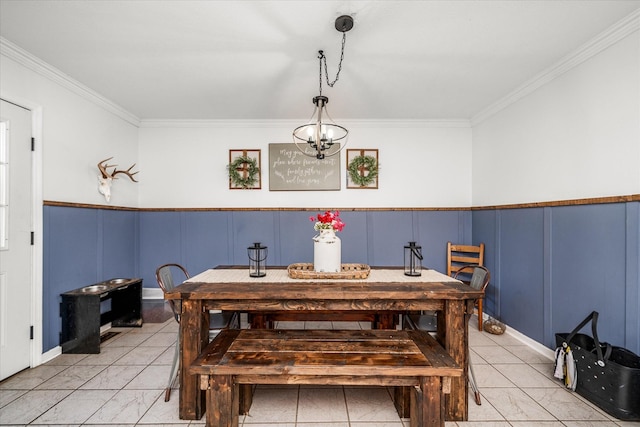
x=334 y=124
x=296 y=132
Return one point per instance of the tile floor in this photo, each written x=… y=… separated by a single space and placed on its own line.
x=123 y=386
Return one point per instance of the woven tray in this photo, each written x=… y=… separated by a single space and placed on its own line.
x=349 y=271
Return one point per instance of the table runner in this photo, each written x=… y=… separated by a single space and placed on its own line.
x=239 y=275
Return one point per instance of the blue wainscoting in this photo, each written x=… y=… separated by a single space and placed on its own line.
x=81 y=247
x=552 y=266
x=549 y=266
x=201 y=240
x=84 y=246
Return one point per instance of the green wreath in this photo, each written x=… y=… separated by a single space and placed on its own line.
x=367 y=162
x=252 y=170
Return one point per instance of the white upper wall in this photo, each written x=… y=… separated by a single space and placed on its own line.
x=76 y=134
x=576 y=137
x=185 y=166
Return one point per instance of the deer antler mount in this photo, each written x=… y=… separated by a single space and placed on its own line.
x=106 y=178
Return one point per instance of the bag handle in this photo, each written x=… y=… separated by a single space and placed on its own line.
x=593 y=317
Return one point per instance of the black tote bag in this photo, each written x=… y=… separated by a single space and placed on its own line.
x=608 y=376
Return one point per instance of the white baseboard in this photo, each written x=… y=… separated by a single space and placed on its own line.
x=152 y=293
x=542 y=349
x=50 y=355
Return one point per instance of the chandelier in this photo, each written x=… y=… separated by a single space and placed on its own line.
x=320 y=133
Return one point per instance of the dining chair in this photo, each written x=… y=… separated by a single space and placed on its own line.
x=218 y=320
x=460 y=256
x=427 y=320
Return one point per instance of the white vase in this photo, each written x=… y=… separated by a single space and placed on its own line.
x=327 y=252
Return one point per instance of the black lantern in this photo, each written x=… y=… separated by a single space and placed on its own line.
x=412 y=259
x=257 y=257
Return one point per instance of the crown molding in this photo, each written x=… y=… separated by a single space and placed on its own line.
x=610 y=36
x=37 y=65
x=177 y=123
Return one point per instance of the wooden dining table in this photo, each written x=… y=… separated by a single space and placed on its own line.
x=386 y=291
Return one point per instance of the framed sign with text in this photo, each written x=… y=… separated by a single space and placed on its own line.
x=291 y=170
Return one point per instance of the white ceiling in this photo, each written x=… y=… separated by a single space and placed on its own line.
x=257 y=60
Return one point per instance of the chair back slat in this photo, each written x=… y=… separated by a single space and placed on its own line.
x=466 y=263
x=459 y=256
x=480 y=276
x=465 y=259
x=166 y=279
x=166 y=282
x=465 y=248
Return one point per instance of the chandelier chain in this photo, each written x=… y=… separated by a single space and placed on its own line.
x=322 y=133
x=326 y=70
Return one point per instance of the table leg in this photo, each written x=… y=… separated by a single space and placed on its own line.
x=385 y=321
x=402 y=401
x=194 y=336
x=401 y=394
x=245 y=392
x=259 y=321
x=453 y=334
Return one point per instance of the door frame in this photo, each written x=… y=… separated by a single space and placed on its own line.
x=37 y=203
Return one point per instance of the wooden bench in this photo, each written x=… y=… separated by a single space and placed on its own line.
x=324 y=357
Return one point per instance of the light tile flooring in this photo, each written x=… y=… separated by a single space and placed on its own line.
x=123 y=386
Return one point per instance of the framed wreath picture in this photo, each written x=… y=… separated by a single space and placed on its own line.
x=244 y=170
x=362 y=168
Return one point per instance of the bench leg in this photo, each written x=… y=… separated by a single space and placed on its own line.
x=402 y=401
x=427 y=403
x=222 y=402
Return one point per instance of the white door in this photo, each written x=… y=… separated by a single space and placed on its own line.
x=15 y=239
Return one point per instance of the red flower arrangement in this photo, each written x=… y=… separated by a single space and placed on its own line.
x=328 y=220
